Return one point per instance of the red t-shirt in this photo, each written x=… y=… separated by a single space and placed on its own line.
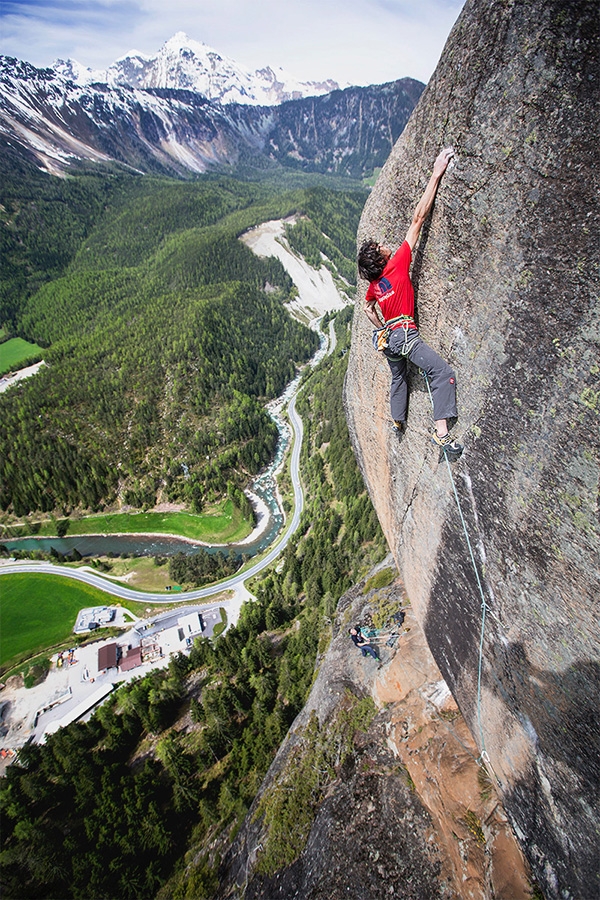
x=394 y=291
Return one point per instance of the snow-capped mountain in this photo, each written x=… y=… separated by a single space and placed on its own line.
x=77 y=73
x=57 y=124
x=185 y=64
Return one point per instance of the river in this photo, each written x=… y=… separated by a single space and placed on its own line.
x=315 y=295
x=264 y=487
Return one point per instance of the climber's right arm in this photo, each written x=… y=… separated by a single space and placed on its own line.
x=426 y=202
x=372 y=314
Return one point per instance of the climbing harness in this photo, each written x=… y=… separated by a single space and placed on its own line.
x=381 y=336
x=410 y=335
x=484 y=757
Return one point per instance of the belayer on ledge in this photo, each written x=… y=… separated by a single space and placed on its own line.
x=362 y=643
x=397 y=336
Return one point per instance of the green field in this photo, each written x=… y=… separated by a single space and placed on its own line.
x=38 y=612
x=222 y=526
x=14 y=352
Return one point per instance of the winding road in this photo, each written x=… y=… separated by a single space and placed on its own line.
x=234 y=583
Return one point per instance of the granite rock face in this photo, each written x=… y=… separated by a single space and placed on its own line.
x=405 y=813
x=508 y=290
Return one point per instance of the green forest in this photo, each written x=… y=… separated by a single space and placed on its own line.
x=143 y=800
x=162 y=344
x=163 y=337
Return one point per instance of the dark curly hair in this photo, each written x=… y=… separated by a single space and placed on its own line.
x=371 y=262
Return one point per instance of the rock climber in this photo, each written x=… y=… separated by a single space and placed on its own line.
x=390 y=289
x=363 y=645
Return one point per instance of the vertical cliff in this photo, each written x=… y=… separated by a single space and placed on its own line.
x=369 y=800
x=508 y=289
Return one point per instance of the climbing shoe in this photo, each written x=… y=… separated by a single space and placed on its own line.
x=398 y=428
x=452 y=448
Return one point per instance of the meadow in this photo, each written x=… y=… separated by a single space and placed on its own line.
x=16 y=351
x=222 y=524
x=38 y=612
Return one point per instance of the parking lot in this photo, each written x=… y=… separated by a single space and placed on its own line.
x=94 y=617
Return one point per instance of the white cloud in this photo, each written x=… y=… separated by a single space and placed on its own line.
x=352 y=41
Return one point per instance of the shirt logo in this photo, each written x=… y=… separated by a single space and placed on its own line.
x=383 y=289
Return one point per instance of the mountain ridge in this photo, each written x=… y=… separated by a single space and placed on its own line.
x=56 y=123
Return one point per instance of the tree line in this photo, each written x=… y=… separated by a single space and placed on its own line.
x=328 y=229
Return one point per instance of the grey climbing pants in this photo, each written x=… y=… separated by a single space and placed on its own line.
x=442 y=379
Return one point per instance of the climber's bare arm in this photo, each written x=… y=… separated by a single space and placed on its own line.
x=372 y=314
x=426 y=202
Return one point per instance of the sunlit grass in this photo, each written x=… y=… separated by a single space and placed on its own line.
x=224 y=524
x=15 y=351
x=39 y=611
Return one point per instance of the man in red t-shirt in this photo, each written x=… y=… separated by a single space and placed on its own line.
x=390 y=289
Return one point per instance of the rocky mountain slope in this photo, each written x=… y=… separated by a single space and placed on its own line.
x=58 y=124
x=185 y=64
x=507 y=288
x=404 y=811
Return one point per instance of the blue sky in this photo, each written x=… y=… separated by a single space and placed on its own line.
x=352 y=41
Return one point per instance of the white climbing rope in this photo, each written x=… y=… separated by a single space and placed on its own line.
x=484 y=754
